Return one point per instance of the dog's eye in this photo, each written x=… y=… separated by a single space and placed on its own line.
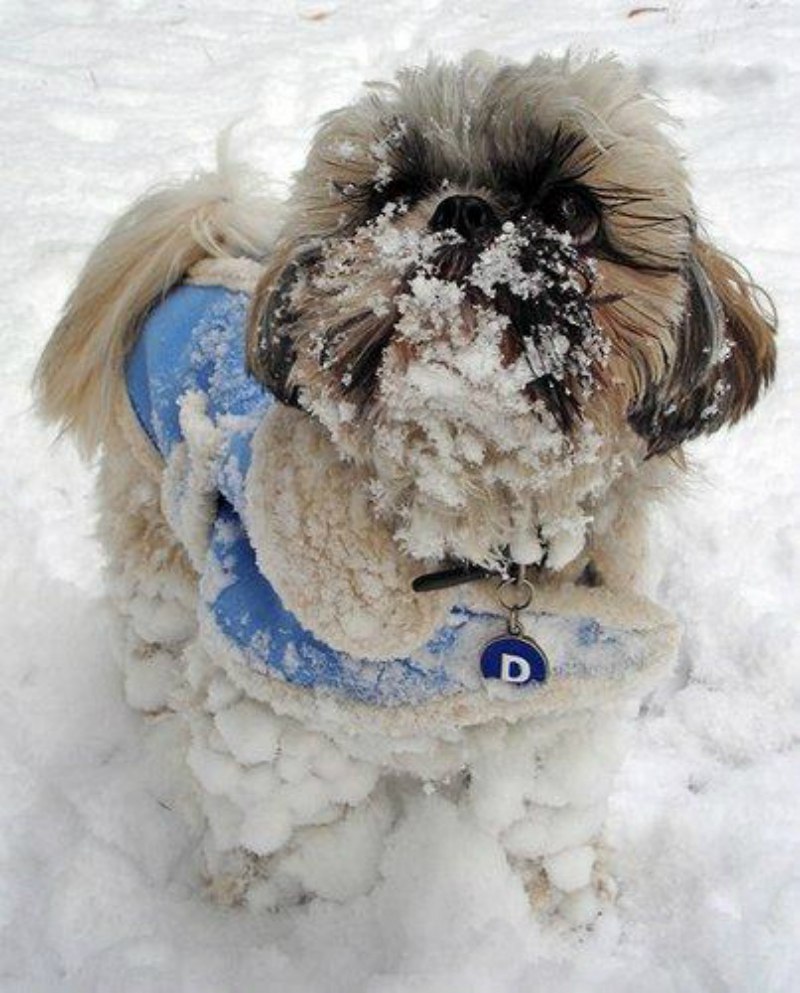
x=573 y=211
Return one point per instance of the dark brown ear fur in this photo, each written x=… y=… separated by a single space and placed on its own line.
x=273 y=324
x=270 y=349
x=724 y=355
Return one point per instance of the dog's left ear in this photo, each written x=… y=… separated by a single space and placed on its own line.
x=722 y=358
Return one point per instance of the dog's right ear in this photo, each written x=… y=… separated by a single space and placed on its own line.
x=272 y=323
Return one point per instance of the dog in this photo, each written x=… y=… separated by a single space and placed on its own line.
x=358 y=448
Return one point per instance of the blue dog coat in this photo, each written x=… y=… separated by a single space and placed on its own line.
x=192 y=346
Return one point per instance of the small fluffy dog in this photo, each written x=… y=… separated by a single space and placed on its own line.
x=472 y=343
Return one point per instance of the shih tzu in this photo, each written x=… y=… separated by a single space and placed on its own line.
x=360 y=448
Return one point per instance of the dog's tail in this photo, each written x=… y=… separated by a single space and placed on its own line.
x=146 y=252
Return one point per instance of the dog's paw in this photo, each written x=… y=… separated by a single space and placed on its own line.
x=573 y=886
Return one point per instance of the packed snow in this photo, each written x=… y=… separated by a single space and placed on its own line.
x=100 y=882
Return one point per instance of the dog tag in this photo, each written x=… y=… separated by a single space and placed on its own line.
x=514 y=657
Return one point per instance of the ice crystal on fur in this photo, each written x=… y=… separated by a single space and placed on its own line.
x=499 y=264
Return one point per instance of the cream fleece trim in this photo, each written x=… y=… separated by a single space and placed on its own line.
x=610 y=607
x=317 y=539
x=442 y=717
x=240 y=275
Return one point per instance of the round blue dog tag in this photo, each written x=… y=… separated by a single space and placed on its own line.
x=514 y=659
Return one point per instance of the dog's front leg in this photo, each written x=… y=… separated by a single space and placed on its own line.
x=541 y=787
x=334 y=564
x=282 y=804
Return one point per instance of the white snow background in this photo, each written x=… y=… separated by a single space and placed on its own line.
x=99 y=885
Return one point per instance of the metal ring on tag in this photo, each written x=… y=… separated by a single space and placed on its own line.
x=524 y=586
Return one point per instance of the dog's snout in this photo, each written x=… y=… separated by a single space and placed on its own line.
x=466 y=215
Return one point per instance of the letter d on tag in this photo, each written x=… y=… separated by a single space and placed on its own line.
x=515 y=660
x=514 y=668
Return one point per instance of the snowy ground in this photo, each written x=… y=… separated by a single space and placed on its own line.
x=98 y=888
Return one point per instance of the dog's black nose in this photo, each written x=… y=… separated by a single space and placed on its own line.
x=468 y=216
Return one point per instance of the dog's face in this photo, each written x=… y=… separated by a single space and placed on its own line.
x=491 y=291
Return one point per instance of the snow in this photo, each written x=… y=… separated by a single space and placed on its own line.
x=100 y=874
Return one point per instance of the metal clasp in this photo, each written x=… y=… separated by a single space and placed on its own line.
x=514 y=595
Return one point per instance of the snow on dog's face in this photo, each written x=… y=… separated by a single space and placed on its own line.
x=491 y=292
